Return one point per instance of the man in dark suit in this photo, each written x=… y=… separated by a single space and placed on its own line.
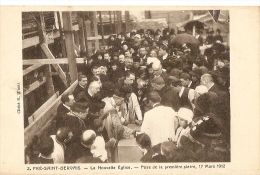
x=218 y=37
x=186 y=80
x=157 y=70
x=128 y=65
x=64 y=108
x=195 y=77
x=168 y=95
x=80 y=148
x=207 y=81
x=185 y=94
x=222 y=78
x=128 y=81
x=83 y=80
x=199 y=32
x=163 y=55
x=210 y=38
x=143 y=55
x=75 y=120
x=89 y=95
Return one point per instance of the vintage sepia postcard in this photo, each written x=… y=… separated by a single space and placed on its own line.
x=123 y=90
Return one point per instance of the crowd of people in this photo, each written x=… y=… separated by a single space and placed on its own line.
x=179 y=97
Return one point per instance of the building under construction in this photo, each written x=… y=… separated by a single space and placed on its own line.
x=53 y=43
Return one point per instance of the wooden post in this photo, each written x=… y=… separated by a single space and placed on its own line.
x=47 y=70
x=76 y=38
x=168 y=20
x=127 y=21
x=102 y=30
x=49 y=81
x=110 y=21
x=88 y=34
x=61 y=36
x=115 y=22
x=85 y=24
x=119 y=22
x=81 y=35
x=94 y=20
x=67 y=24
x=147 y=15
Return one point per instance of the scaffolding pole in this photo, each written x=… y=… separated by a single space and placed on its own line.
x=67 y=24
x=101 y=25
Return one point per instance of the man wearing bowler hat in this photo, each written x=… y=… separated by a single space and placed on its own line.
x=222 y=77
x=195 y=77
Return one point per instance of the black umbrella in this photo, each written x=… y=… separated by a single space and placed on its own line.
x=197 y=24
x=185 y=38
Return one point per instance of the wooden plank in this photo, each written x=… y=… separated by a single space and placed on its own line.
x=98 y=37
x=28 y=42
x=50 y=61
x=35 y=85
x=30 y=119
x=44 y=118
x=33 y=41
x=31 y=68
x=75 y=27
x=56 y=66
x=45 y=105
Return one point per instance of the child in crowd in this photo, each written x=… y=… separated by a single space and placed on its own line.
x=185 y=116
